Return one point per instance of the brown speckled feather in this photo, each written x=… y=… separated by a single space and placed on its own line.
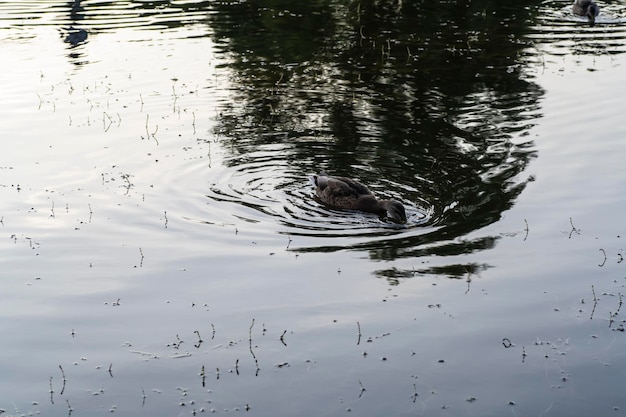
x=349 y=194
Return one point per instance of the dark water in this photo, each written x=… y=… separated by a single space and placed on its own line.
x=399 y=108
x=163 y=253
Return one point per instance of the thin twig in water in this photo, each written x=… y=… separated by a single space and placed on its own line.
x=595 y=302
x=105 y=116
x=156 y=129
x=619 y=307
x=64 y=380
x=177 y=343
x=604 y=261
x=128 y=186
x=197 y=345
x=574 y=230
x=51 y=392
x=256 y=362
x=526 y=229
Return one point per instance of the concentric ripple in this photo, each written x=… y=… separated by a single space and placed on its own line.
x=559 y=32
x=265 y=190
x=100 y=16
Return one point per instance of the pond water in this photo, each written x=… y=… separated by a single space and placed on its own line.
x=163 y=252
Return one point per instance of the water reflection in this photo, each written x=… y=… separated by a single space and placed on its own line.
x=394 y=276
x=74 y=34
x=430 y=106
x=75 y=37
x=104 y=16
x=423 y=104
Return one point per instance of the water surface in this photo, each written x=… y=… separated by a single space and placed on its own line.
x=163 y=252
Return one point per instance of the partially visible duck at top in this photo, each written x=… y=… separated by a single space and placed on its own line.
x=586 y=8
x=348 y=194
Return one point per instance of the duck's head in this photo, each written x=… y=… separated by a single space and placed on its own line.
x=592 y=11
x=395 y=210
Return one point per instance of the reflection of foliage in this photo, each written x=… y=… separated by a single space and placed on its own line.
x=271 y=33
x=456 y=271
x=418 y=246
x=433 y=98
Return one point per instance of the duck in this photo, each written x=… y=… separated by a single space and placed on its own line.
x=586 y=8
x=349 y=194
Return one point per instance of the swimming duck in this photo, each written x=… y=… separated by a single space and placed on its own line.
x=587 y=8
x=349 y=194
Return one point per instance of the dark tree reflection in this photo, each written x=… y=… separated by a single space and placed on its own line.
x=433 y=96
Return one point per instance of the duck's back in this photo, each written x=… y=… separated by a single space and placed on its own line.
x=340 y=192
x=586 y=7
